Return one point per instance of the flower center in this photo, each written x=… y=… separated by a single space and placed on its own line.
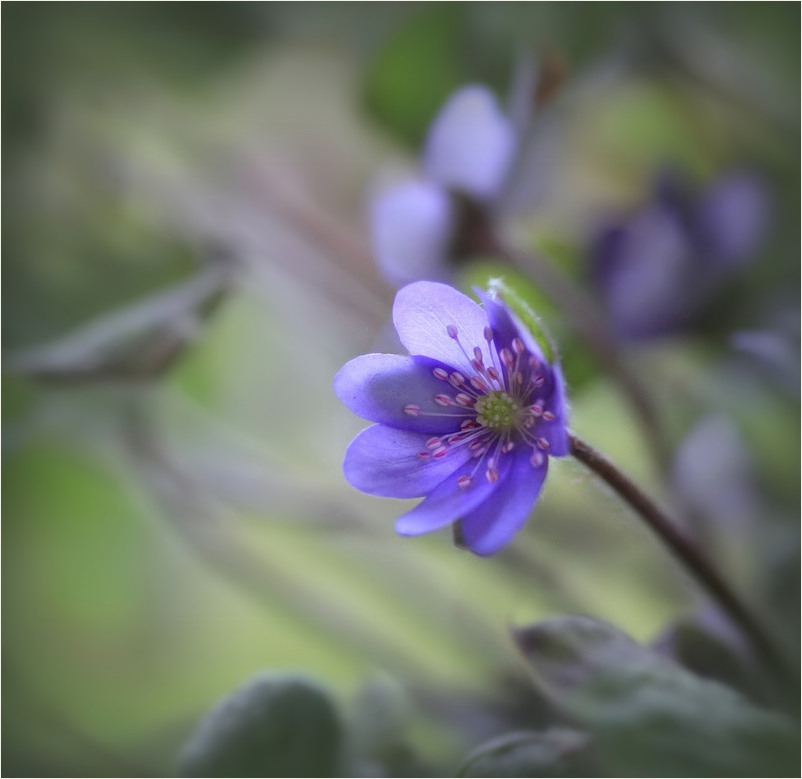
x=497 y=411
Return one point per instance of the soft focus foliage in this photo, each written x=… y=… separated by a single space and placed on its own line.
x=189 y=260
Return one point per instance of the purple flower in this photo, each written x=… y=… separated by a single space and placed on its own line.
x=469 y=151
x=467 y=421
x=658 y=268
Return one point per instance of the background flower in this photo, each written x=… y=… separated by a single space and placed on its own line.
x=468 y=152
x=657 y=268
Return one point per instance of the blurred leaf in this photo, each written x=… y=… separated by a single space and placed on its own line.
x=555 y=752
x=415 y=71
x=140 y=341
x=274 y=725
x=648 y=716
x=705 y=644
x=378 y=727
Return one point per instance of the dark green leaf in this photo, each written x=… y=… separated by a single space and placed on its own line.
x=555 y=752
x=648 y=716
x=415 y=71
x=274 y=725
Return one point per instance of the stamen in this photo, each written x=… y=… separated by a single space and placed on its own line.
x=491 y=474
x=488 y=334
x=440 y=373
x=548 y=416
x=536 y=409
x=479 y=385
x=456 y=379
x=424 y=455
x=452 y=331
x=539 y=380
x=468 y=424
x=464 y=400
x=518 y=346
x=537 y=459
x=542 y=443
x=477 y=353
x=464 y=481
x=412 y=410
x=443 y=400
x=434 y=443
x=507 y=447
x=507 y=358
x=440 y=453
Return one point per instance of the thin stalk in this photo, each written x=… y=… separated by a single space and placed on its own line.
x=684 y=550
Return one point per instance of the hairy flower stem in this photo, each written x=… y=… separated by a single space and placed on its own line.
x=686 y=553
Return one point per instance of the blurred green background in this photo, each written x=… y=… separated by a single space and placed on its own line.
x=176 y=518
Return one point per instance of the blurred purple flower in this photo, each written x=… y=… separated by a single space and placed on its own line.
x=469 y=151
x=466 y=421
x=656 y=269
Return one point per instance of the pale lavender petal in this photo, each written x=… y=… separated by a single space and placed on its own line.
x=379 y=387
x=384 y=461
x=412 y=226
x=731 y=217
x=470 y=144
x=423 y=314
x=714 y=474
x=450 y=502
x=494 y=523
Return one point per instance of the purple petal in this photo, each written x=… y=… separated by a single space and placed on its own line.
x=470 y=144
x=423 y=314
x=412 y=225
x=556 y=431
x=384 y=461
x=494 y=522
x=378 y=387
x=507 y=326
x=731 y=217
x=450 y=502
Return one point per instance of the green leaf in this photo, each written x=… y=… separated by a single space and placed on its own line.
x=704 y=644
x=274 y=725
x=648 y=716
x=416 y=70
x=555 y=752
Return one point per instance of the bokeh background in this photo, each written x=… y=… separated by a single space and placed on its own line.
x=186 y=265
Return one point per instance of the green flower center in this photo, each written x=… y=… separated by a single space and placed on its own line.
x=497 y=411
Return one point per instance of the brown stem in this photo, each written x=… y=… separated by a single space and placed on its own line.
x=685 y=552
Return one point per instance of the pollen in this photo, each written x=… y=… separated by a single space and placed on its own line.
x=498 y=411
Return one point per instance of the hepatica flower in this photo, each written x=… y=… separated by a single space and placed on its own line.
x=467 y=421
x=468 y=151
x=658 y=268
